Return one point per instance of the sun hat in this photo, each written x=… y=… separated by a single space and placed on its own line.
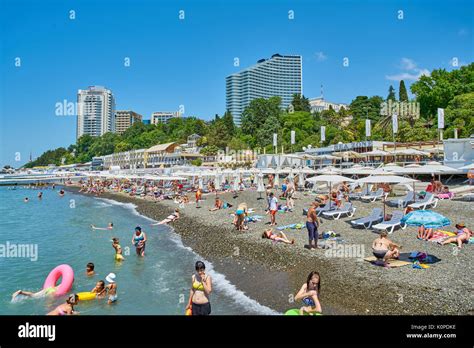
x=110 y=278
x=461 y=225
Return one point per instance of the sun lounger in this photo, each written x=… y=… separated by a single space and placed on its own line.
x=367 y=222
x=390 y=225
x=357 y=195
x=403 y=202
x=429 y=201
x=347 y=209
x=374 y=195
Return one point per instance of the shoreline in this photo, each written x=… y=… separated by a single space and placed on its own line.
x=272 y=273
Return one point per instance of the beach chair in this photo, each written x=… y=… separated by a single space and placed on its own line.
x=357 y=195
x=390 y=225
x=403 y=202
x=347 y=209
x=430 y=201
x=372 y=197
x=367 y=222
x=325 y=208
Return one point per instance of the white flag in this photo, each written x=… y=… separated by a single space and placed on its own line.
x=394 y=123
x=323 y=133
x=292 y=137
x=440 y=118
x=275 y=139
x=368 y=128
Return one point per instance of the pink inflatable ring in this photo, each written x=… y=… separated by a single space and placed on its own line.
x=62 y=271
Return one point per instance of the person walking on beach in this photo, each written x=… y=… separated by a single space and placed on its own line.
x=118 y=249
x=272 y=208
x=309 y=294
x=312 y=225
x=139 y=241
x=201 y=288
x=198 y=197
x=111 y=288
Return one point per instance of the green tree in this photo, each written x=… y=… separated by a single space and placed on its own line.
x=403 y=94
x=460 y=114
x=300 y=103
x=258 y=111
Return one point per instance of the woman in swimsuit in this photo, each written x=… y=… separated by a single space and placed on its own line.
x=109 y=227
x=462 y=236
x=139 y=241
x=39 y=294
x=118 y=249
x=201 y=288
x=424 y=233
x=66 y=308
x=309 y=294
x=384 y=248
x=277 y=237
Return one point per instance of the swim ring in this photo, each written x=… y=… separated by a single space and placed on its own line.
x=86 y=296
x=66 y=274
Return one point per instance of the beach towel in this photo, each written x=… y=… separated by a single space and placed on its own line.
x=439 y=235
x=297 y=226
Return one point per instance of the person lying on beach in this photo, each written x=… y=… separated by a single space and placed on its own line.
x=309 y=294
x=40 y=294
x=277 y=237
x=463 y=234
x=109 y=227
x=99 y=289
x=170 y=218
x=90 y=269
x=118 y=249
x=424 y=233
x=66 y=308
x=383 y=248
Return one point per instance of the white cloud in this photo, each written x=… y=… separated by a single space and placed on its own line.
x=320 y=56
x=412 y=71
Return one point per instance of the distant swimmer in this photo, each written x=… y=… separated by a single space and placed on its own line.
x=170 y=218
x=90 y=269
x=118 y=249
x=40 y=195
x=139 y=241
x=109 y=227
x=26 y=200
x=61 y=192
x=66 y=308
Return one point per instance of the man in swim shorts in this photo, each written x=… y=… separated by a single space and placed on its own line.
x=312 y=224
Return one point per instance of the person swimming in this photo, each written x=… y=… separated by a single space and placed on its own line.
x=40 y=195
x=100 y=289
x=66 y=308
x=118 y=249
x=111 y=288
x=39 y=294
x=109 y=227
x=90 y=269
x=61 y=192
x=26 y=200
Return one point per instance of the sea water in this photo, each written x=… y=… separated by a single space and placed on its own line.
x=59 y=228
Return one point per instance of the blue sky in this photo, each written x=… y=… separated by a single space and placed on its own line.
x=184 y=62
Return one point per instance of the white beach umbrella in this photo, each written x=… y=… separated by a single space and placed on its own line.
x=300 y=179
x=276 y=182
x=260 y=185
x=200 y=183
x=291 y=177
x=469 y=166
x=329 y=170
x=236 y=181
x=376 y=153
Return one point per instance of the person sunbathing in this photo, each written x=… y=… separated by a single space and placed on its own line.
x=445 y=194
x=424 y=233
x=383 y=248
x=170 y=218
x=277 y=237
x=463 y=234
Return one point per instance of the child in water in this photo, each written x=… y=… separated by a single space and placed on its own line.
x=90 y=269
x=118 y=249
x=111 y=288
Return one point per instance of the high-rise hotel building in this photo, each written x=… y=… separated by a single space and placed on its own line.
x=278 y=76
x=95 y=111
x=124 y=119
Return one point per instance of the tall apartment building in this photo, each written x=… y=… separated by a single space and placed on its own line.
x=95 y=111
x=125 y=119
x=281 y=76
x=163 y=116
